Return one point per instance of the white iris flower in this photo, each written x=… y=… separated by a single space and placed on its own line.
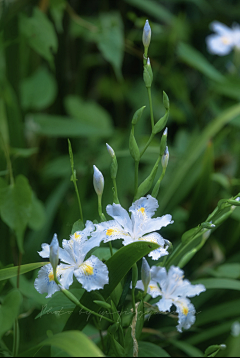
x=91 y=273
x=224 y=40
x=174 y=291
x=135 y=228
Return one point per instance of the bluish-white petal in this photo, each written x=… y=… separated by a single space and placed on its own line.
x=186 y=289
x=186 y=314
x=153 y=289
x=45 y=283
x=146 y=207
x=118 y=213
x=92 y=274
x=150 y=225
x=110 y=230
x=165 y=304
x=83 y=235
x=156 y=238
x=45 y=253
x=220 y=28
x=158 y=274
x=66 y=272
x=219 y=45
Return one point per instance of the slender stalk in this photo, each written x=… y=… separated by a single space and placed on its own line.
x=115 y=191
x=145 y=56
x=15 y=338
x=147 y=144
x=79 y=201
x=136 y=176
x=151 y=107
x=133 y=300
x=72 y=298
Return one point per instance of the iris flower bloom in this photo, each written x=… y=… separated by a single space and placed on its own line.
x=224 y=40
x=135 y=228
x=174 y=291
x=91 y=273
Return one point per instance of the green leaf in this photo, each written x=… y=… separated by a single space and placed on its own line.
x=118 y=265
x=13 y=271
x=88 y=113
x=192 y=154
x=195 y=59
x=147 y=349
x=38 y=216
x=227 y=270
x=186 y=348
x=111 y=40
x=16 y=207
x=59 y=126
x=39 y=90
x=40 y=34
x=154 y=9
x=219 y=283
x=75 y=343
x=57 y=8
x=77 y=226
x=9 y=309
x=59 y=304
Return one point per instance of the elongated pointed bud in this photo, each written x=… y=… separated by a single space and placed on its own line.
x=110 y=150
x=137 y=115
x=146 y=37
x=148 y=74
x=98 y=181
x=134 y=275
x=54 y=253
x=163 y=142
x=133 y=147
x=145 y=274
x=163 y=120
x=165 y=158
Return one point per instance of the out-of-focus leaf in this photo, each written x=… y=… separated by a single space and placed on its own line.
x=16 y=207
x=230 y=87
x=186 y=348
x=227 y=270
x=75 y=343
x=9 y=308
x=3 y=124
x=39 y=90
x=40 y=34
x=57 y=8
x=38 y=217
x=195 y=59
x=111 y=40
x=23 y=152
x=221 y=179
x=219 y=283
x=88 y=113
x=13 y=271
x=77 y=226
x=57 y=126
x=147 y=349
x=154 y=9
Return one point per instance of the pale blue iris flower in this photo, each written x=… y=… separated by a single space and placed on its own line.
x=91 y=273
x=139 y=227
x=174 y=290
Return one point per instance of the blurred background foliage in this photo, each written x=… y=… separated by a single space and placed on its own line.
x=73 y=69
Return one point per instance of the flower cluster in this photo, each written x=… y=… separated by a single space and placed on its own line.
x=173 y=289
x=91 y=273
x=224 y=40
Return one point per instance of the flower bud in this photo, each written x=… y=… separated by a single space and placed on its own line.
x=165 y=158
x=54 y=253
x=146 y=37
x=110 y=150
x=163 y=142
x=98 y=181
x=145 y=274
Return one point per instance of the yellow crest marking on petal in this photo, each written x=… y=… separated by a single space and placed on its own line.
x=87 y=269
x=225 y=40
x=142 y=210
x=77 y=236
x=51 y=276
x=152 y=287
x=185 y=311
x=110 y=232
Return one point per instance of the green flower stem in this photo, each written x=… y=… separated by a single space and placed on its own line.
x=15 y=338
x=145 y=56
x=8 y=160
x=110 y=247
x=151 y=108
x=136 y=177
x=101 y=215
x=133 y=300
x=72 y=298
x=74 y=179
x=157 y=185
x=147 y=144
x=115 y=196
